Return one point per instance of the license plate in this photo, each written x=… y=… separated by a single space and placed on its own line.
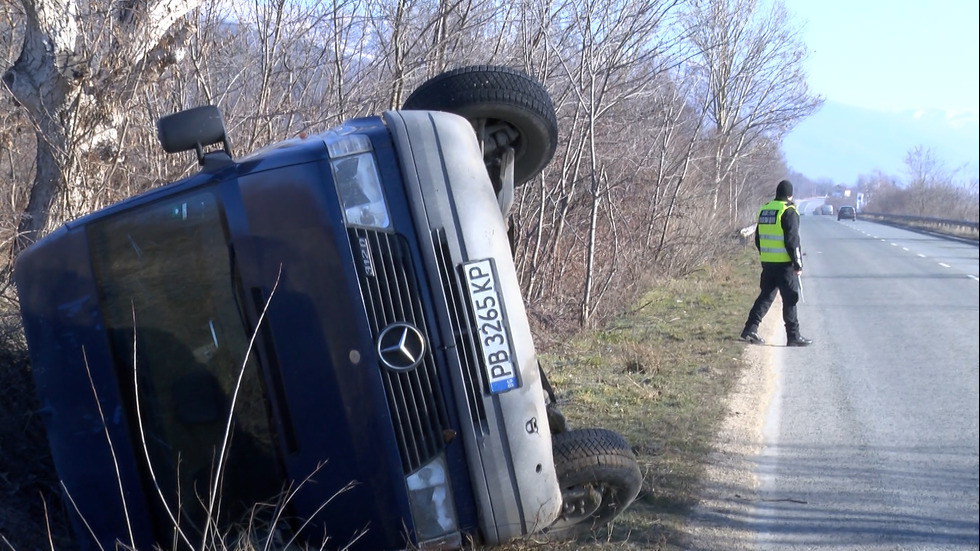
x=491 y=325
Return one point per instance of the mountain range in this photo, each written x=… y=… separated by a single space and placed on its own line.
x=841 y=142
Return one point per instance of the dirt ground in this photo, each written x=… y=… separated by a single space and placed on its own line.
x=31 y=510
x=730 y=485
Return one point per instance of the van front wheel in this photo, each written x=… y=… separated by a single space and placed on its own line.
x=599 y=479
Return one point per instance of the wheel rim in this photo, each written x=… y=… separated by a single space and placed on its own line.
x=581 y=502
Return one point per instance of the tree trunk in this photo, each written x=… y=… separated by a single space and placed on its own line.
x=41 y=80
x=585 y=308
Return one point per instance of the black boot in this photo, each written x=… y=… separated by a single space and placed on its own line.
x=798 y=341
x=750 y=336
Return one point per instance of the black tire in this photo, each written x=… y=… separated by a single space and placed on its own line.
x=490 y=95
x=599 y=478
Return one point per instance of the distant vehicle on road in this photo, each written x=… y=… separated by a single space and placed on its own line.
x=826 y=209
x=846 y=212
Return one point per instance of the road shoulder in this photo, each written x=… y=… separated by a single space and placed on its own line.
x=723 y=516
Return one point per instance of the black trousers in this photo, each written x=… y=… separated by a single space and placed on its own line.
x=782 y=278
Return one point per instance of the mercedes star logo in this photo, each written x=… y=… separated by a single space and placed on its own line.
x=401 y=346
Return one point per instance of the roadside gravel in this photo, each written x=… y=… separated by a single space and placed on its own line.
x=723 y=518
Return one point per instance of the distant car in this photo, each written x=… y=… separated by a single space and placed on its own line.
x=846 y=212
x=826 y=209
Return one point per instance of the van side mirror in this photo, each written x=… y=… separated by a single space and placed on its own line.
x=196 y=128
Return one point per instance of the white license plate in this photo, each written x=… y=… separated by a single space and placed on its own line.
x=491 y=325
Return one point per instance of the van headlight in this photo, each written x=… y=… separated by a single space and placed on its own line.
x=355 y=173
x=431 y=499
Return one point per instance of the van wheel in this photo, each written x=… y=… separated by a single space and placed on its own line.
x=505 y=107
x=599 y=479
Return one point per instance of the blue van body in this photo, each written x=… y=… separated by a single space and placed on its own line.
x=253 y=334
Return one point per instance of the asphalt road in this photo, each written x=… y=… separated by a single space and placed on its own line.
x=870 y=439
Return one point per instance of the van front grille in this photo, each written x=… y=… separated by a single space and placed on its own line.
x=391 y=295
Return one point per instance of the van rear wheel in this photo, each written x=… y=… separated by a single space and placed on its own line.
x=506 y=108
x=599 y=479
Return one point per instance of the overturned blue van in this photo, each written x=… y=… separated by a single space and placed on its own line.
x=324 y=340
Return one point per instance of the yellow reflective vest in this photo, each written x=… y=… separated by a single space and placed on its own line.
x=772 y=244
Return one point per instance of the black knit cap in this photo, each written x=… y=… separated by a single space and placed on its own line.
x=784 y=190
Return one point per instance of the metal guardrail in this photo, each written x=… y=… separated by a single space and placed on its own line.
x=922 y=219
x=958 y=228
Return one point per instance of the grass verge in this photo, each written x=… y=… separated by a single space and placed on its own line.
x=659 y=376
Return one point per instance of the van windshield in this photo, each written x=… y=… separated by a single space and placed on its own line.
x=164 y=273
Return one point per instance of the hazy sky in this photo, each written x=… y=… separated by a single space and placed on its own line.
x=892 y=54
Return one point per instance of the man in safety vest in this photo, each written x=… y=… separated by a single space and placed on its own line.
x=777 y=236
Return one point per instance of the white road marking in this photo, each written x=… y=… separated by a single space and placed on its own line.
x=944 y=265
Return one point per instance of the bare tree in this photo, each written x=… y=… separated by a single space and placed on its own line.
x=416 y=39
x=78 y=63
x=924 y=168
x=751 y=62
x=932 y=189
x=605 y=54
